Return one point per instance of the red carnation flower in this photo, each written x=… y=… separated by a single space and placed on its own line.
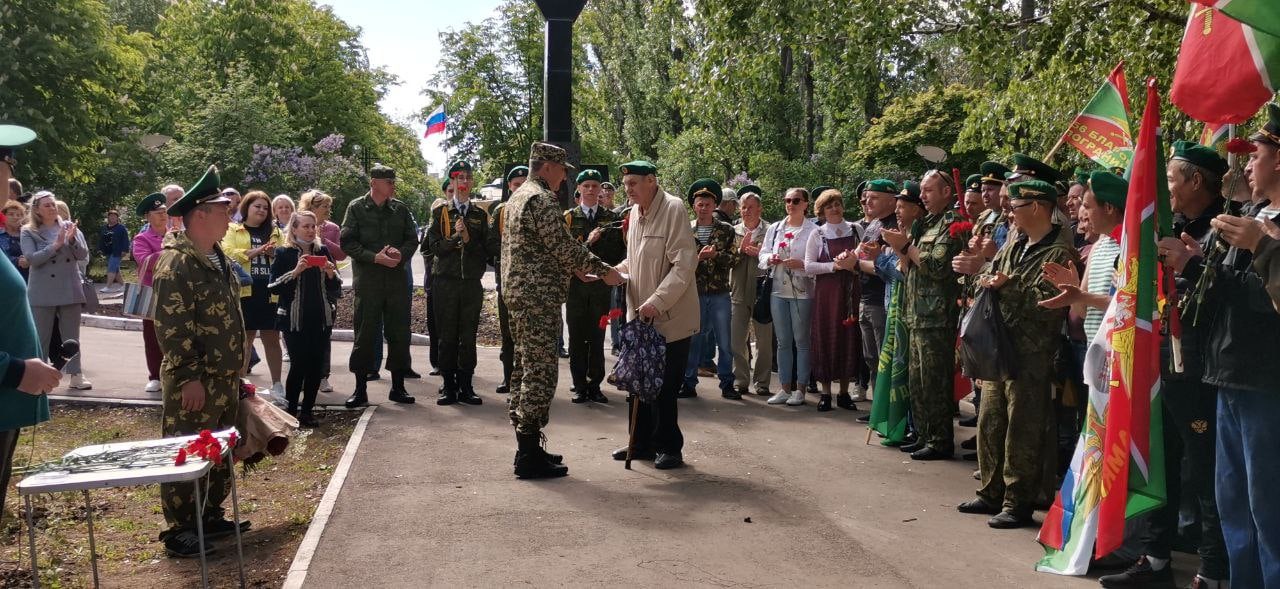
x=1239 y=145
x=615 y=313
x=848 y=321
x=789 y=235
x=604 y=321
x=181 y=459
x=959 y=228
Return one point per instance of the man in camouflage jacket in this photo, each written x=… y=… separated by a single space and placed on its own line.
x=716 y=258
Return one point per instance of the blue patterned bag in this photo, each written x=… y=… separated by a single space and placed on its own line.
x=642 y=360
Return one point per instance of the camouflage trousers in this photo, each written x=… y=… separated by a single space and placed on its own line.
x=930 y=380
x=222 y=400
x=1012 y=424
x=535 y=367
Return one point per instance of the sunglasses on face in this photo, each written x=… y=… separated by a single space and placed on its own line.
x=1025 y=204
x=795 y=201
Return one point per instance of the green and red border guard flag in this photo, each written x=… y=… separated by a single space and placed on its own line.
x=1227 y=69
x=1101 y=130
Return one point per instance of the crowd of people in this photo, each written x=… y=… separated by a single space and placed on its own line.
x=736 y=298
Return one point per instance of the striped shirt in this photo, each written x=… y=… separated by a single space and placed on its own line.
x=1100 y=274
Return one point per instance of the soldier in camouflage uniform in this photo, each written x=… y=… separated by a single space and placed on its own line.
x=931 y=314
x=538 y=256
x=202 y=339
x=515 y=178
x=458 y=239
x=1012 y=421
x=379 y=235
x=716 y=258
x=600 y=230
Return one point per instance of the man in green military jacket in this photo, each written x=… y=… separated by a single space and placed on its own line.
x=600 y=229
x=458 y=239
x=931 y=314
x=515 y=179
x=379 y=235
x=202 y=340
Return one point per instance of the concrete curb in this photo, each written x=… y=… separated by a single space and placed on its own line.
x=132 y=324
x=307 y=549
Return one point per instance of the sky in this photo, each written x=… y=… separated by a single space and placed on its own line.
x=403 y=36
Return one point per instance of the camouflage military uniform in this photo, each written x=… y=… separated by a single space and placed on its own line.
x=1014 y=415
x=587 y=301
x=455 y=283
x=381 y=299
x=931 y=315
x=537 y=255
x=202 y=338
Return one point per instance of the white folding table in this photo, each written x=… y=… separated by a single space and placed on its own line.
x=129 y=464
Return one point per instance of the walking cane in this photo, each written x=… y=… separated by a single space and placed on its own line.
x=631 y=431
x=869 y=430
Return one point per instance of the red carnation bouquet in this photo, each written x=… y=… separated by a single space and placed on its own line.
x=205 y=446
x=610 y=316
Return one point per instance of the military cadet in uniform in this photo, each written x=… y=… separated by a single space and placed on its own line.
x=589 y=297
x=1014 y=413
x=458 y=239
x=202 y=340
x=538 y=257
x=931 y=314
x=378 y=234
x=515 y=179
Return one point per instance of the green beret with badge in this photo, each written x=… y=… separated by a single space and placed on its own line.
x=381 y=172
x=1205 y=157
x=517 y=172
x=993 y=172
x=1025 y=166
x=589 y=175
x=1033 y=190
x=910 y=192
x=151 y=202
x=973 y=183
x=705 y=187
x=1109 y=188
x=204 y=191
x=458 y=167
x=885 y=186
x=639 y=168
x=1270 y=131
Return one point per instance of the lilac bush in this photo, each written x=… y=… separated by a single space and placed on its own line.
x=290 y=169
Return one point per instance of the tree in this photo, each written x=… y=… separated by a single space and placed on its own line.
x=928 y=118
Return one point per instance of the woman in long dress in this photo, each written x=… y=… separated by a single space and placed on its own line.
x=835 y=337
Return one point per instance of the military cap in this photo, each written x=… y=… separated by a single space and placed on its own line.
x=973 y=183
x=608 y=185
x=459 y=166
x=1205 y=157
x=12 y=136
x=1270 y=131
x=588 y=175
x=546 y=152
x=746 y=189
x=1025 y=165
x=728 y=194
x=1033 y=190
x=1109 y=188
x=151 y=202
x=516 y=172
x=885 y=186
x=639 y=168
x=705 y=187
x=910 y=192
x=204 y=191
x=381 y=172
x=993 y=172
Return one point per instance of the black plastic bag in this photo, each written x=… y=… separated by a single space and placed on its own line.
x=986 y=348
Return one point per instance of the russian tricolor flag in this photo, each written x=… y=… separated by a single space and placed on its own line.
x=435 y=122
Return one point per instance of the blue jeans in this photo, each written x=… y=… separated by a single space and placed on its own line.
x=1248 y=472
x=791 y=326
x=715 y=320
x=113 y=264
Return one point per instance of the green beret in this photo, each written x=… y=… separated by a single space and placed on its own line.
x=381 y=172
x=1270 y=131
x=818 y=190
x=993 y=172
x=910 y=192
x=1026 y=167
x=1033 y=190
x=459 y=166
x=744 y=190
x=589 y=175
x=973 y=183
x=1109 y=188
x=12 y=136
x=886 y=186
x=705 y=187
x=516 y=172
x=1205 y=157
x=151 y=202
x=204 y=191
x=639 y=168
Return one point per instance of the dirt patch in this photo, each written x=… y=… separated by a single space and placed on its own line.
x=279 y=497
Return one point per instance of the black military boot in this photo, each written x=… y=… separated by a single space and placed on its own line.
x=553 y=458
x=449 y=392
x=398 y=392
x=466 y=393
x=360 y=397
x=824 y=402
x=532 y=461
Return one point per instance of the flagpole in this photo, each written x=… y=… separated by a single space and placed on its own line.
x=1049 y=157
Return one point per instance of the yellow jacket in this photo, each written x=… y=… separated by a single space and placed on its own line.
x=236 y=244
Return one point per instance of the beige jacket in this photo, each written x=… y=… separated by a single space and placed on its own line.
x=662 y=259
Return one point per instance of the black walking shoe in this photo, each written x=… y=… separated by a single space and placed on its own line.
x=863 y=418
x=731 y=394
x=968 y=422
x=580 y=395
x=434 y=372
x=468 y=395
x=824 y=402
x=357 y=399
x=930 y=453
x=503 y=389
x=401 y=396
x=307 y=420
x=845 y=401
x=1008 y=520
x=446 y=396
x=970 y=444
x=913 y=446
x=411 y=374
x=373 y=376
x=979 y=506
x=1141 y=575
x=687 y=392
x=597 y=395
x=184 y=543
x=668 y=460
x=637 y=454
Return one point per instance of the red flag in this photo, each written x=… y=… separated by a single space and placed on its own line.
x=1226 y=70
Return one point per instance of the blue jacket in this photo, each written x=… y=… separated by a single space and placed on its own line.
x=18 y=341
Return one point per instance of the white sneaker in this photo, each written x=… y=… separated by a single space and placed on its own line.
x=859 y=393
x=80 y=383
x=325 y=387
x=797 y=398
x=779 y=398
x=153 y=386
